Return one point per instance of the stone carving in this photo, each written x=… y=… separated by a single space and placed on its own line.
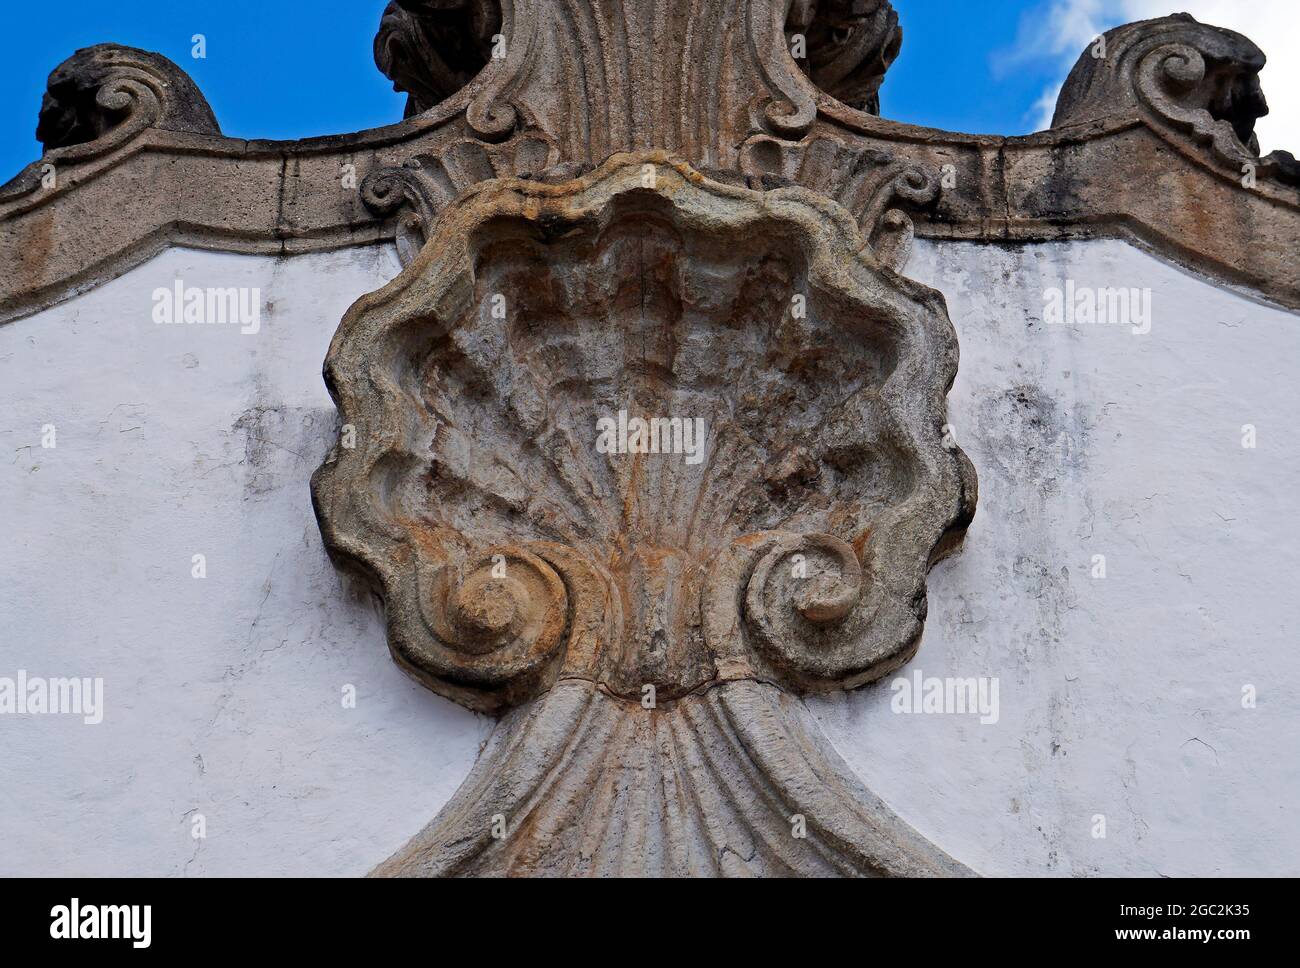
x=715 y=83
x=1197 y=79
x=110 y=89
x=850 y=45
x=587 y=785
x=433 y=48
x=520 y=559
x=430 y=49
x=104 y=97
x=611 y=75
x=416 y=192
x=606 y=210
x=877 y=186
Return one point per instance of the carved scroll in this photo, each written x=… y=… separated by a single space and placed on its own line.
x=103 y=97
x=1193 y=79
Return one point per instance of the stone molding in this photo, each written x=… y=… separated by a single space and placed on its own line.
x=160 y=174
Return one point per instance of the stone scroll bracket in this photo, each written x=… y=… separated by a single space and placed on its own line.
x=100 y=100
x=1196 y=83
x=99 y=89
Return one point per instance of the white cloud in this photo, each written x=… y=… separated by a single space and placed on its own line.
x=1045 y=106
x=1062 y=30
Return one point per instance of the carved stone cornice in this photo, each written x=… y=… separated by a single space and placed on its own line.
x=712 y=82
x=515 y=555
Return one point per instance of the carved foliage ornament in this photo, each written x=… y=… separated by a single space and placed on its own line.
x=770 y=534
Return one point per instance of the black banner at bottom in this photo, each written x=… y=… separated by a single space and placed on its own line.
x=220 y=917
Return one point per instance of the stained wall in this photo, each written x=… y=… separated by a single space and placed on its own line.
x=1119 y=697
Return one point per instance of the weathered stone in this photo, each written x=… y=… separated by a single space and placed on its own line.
x=99 y=89
x=1194 y=79
x=98 y=101
x=610 y=210
x=849 y=45
x=715 y=784
x=430 y=50
x=514 y=553
x=749 y=109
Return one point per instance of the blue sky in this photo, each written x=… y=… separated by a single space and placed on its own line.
x=282 y=69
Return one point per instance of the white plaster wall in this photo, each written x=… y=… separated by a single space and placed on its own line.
x=1122 y=696
x=223 y=695
x=1119 y=696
